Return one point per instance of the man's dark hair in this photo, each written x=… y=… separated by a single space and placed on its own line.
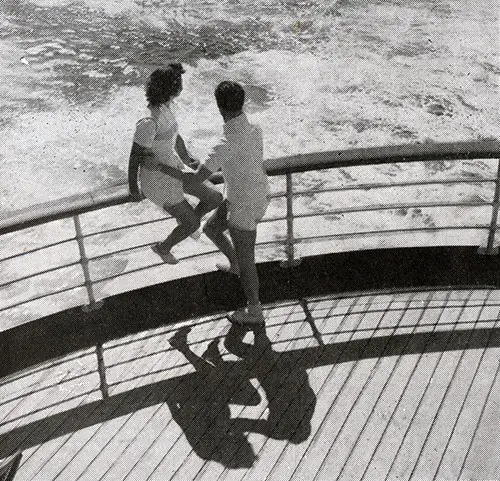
x=230 y=96
x=164 y=83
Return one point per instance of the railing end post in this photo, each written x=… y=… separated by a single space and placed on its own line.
x=290 y=263
x=93 y=306
x=488 y=251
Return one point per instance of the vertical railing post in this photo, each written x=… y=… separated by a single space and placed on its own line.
x=489 y=249
x=102 y=371
x=291 y=261
x=93 y=304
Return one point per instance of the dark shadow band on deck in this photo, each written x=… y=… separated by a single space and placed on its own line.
x=154 y=306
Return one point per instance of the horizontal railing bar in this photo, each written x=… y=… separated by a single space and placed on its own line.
x=347 y=188
x=380 y=207
x=128 y=226
x=36 y=274
x=37 y=249
x=389 y=231
x=94 y=200
x=63 y=208
x=489 y=149
x=150 y=222
x=131 y=226
x=42 y=296
x=193 y=256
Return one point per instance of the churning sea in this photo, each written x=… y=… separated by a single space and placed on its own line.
x=319 y=75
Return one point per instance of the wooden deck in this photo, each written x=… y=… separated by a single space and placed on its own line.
x=371 y=386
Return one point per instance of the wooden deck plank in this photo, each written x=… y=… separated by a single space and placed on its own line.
x=379 y=375
x=213 y=416
x=419 y=382
x=447 y=365
x=427 y=463
x=110 y=441
x=483 y=461
x=50 y=464
x=270 y=450
x=398 y=392
x=254 y=437
x=388 y=400
x=328 y=384
x=146 y=438
x=152 y=419
x=458 y=444
x=18 y=392
x=160 y=425
x=380 y=391
x=321 y=314
x=57 y=397
x=341 y=388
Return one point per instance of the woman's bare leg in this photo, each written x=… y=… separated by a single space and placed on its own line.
x=189 y=222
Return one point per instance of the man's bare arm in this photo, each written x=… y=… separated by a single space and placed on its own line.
x=181 y=149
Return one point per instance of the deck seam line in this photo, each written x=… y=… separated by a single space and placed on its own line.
x=445 y=395
x=386 y=383
x=365 y=383
x=329 y=376
x=417 y=409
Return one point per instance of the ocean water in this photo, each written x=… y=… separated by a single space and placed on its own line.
x=319 y=75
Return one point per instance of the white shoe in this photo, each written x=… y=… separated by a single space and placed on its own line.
x=231 y=269
x=243 y=318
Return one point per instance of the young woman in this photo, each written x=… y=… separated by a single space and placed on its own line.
x=159 y=156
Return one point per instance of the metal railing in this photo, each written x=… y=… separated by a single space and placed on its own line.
x=73 y=207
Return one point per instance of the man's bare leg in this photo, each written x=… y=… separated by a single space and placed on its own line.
x=215 y=230
x=244 y=247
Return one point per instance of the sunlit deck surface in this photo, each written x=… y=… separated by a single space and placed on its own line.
x=369 y=386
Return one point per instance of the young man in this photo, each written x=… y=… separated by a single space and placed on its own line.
x=240 y=157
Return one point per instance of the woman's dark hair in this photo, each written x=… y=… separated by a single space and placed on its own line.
x=164 y=83
x=230 y=96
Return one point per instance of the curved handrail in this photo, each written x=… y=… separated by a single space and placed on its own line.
x=283 y=243
x=116 y=195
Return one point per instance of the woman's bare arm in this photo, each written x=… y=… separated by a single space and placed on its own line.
x=138 y=155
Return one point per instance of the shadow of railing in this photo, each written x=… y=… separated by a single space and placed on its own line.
x=282 y=375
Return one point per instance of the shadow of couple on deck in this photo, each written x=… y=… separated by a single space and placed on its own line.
x=201 y=406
